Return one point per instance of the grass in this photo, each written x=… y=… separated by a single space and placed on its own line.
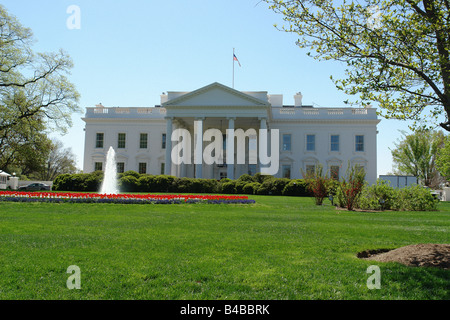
x=278 y=248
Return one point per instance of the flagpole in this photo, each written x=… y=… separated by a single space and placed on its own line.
x=233 y=70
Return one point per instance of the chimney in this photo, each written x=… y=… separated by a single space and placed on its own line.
x=298 y=99
x=164 y=97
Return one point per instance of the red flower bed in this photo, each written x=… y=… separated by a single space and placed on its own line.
x=118 y=198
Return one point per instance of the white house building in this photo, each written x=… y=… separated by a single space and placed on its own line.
x=141 y=137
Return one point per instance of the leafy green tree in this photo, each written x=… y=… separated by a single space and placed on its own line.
x=24 y=146
x=32 y=83
x=416 y=155
x=396 y=52
x=35 y=97
x=443 y=159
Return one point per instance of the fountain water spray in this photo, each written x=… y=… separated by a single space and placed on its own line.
x=109 y=185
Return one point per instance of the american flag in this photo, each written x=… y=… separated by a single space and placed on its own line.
x=236 y=59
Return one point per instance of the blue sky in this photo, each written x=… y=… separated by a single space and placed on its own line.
x=127 y=53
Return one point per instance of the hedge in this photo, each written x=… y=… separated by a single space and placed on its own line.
x=78 y=182
x=131 y=181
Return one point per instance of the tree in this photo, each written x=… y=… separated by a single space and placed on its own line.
x=32 y=85
x=25 y=144
x=35 y=97
x=397 y=52
x=59 y=160
x=443 y=159
x=416 y=155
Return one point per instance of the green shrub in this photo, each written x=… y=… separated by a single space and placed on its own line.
x=259 y=177
x=61 y=182
x=202 y=186
x=93 y=181
x=228 y=187
x=272 y=186
x=78 y=182
x=146 y=183
x=246 y=178
x=251 y=188
x=298 y=187
x=412 y=198
x=163 y=183
x=415 y=198
x=332 y=186
x=371 y=196
x=239 y=185
x=265 y=187
x=130 y=173
x=277 y=185
x=128 y=183
x=183 y=185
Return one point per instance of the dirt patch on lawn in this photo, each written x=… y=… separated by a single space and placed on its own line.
x=417 y=255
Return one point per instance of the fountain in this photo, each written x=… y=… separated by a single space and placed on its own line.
x=109 y=185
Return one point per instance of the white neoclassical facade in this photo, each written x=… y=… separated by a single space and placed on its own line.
x=142 y=137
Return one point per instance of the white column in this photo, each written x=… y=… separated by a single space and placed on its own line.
x=263 y=125
x=168 y=160
x=230 y=150
x=198 y=148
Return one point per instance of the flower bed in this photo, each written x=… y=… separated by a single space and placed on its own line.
x=72 y=197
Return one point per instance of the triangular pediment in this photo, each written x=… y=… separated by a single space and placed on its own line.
x=218 y=95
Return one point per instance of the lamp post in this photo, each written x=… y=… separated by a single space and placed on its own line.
x=330 y=197
x=381 y=201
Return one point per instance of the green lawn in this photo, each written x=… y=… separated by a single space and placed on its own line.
x=278 y=248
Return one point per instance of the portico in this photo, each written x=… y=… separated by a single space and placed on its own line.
x=215 y=107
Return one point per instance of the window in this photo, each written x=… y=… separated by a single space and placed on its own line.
x=143 y=141
x=222 y=175
x=359 y=143
x=224 y=142
x=98 y=166
x=120 y=167
x=334 y=139
x=163 y=141
x=121 y=141
x=163 y=168
x=99 y=140
x=310 y=169
x=142 y=167
x=310 y=142
x=359 y=167
x=286 y=171
x=334 y=172
x=286 y=142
